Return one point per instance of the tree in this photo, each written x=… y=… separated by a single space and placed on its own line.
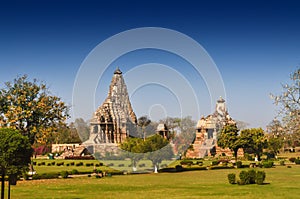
x=133 y=150
x=157 y=149
x=154 y=148
x=276 y=137
x=29 y=107
x=229 y=138
x=186 y=135
x=15 y=153
x=66 y=134
x=82 y=129
x=289 y=102
x=143 y=122
x=253 y=139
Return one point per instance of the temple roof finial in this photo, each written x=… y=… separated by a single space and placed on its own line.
x=118 y=71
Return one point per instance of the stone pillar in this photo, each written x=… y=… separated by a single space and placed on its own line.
x=106 y=134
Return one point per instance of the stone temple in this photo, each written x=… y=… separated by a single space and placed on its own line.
x=115 y=118
x=207 y=131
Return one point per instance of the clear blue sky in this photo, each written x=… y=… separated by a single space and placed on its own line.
x=255 y=45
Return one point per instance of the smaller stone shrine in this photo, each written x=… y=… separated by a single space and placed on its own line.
x=207 y=131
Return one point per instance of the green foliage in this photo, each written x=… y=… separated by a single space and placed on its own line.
x=239 y=164
x=282 y=163
x=231 y=178
x=248 y=177
x=143 y=122
x=244 y=178
x=45 y=176
x=15 y=153
x=30 y=108
x=229 y=138
x=154 y=148
x=178 y=168
x=74 y=172
x=254 y=139
x=267 y=164
x=260 y=177
x=215 y=162
x=252 y=176
x=297 y=161
x=292 y=159
x=186 y=162
x=64 y=174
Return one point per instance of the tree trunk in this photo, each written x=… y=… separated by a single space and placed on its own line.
x=2 y=184
x=155 y=168
x=235 y=154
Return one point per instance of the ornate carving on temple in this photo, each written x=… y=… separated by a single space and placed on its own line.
x=113 y=120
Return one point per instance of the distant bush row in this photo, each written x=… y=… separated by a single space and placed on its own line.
x=68 y=164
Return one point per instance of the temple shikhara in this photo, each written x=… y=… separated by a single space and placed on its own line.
x=207 y=131
x=115 y=118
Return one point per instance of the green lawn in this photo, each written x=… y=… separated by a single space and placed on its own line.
x=284 y=183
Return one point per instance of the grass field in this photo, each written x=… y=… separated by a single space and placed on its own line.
x=282 y=182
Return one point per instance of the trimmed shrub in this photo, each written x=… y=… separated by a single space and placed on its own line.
x=260 y=177
x=267 y=164
x=74 y=172
x=110 y=164
x=292 y=159
x=142 y=165
x=64 y=174
x=34 y=163
x=87 y=164
x=281 y=163
x=178 y=168
x=45 y=176
x=297 y=161
x=72 y=163
x=239 y=164
x=215 y=162
x=231 y=178
x=60 y=163
x=121 y=165
x=53 y=163
x=252 y=176
x=49 y=164
x=43 y=163
x=244 y=178
x=79 y=157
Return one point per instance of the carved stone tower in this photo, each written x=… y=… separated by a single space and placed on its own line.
x=113 y=120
